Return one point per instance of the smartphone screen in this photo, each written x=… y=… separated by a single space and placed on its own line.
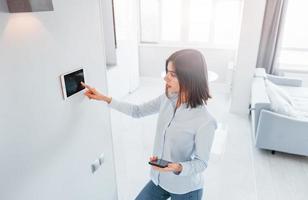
x=159 y=163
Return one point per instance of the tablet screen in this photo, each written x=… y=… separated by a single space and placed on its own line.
x=72 y=82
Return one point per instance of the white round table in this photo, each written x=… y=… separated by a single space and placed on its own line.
x=213 y=76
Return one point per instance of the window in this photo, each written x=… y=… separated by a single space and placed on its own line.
x=171 y=18
x=227 y=20
x=208 y=22
x=293 y=53
x=149 y=10
x=200 y=12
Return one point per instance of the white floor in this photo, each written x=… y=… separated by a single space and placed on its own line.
x=237 y=170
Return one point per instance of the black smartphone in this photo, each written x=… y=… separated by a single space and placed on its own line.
x=159 y=163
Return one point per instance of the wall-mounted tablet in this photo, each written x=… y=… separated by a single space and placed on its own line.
x=71 y=82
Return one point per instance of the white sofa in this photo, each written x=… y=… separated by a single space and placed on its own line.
x=274 y=131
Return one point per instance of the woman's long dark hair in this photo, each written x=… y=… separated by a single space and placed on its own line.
x=191 y=71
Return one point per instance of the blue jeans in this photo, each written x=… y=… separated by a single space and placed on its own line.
x=153 y=192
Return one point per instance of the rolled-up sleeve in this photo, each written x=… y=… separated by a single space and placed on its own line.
x=137 y=111
x=203 y=143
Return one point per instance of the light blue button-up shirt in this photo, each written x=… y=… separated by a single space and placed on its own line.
x=184 y=136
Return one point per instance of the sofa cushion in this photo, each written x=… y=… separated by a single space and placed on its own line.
x=299 y=96
x=295 y=92
x=290 y=101
x=283 y=93
x=280 y=100
x=301 y=107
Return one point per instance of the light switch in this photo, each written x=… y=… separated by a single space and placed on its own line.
x=101 y=159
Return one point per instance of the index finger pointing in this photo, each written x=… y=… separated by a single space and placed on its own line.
x=84 y=85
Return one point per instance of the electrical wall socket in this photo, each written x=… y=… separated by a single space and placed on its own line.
x=95 y=165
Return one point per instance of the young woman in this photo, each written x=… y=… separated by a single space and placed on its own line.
x=185 y=128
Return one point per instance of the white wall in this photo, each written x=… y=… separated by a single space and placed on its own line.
x=253 y=12
x=124 y=77
x=153 y=58
x=47 y=144
x=109 y=36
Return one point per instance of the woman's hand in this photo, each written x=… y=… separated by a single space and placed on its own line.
x=172 y=167
x=92 y=93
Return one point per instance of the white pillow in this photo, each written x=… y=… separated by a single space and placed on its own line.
x=280 y=102
x=284 y=94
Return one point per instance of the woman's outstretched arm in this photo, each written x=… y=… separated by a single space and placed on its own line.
x=133 y=110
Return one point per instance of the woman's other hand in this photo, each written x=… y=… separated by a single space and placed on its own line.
x=92 y=93
x=153 y=158
x=172 y=167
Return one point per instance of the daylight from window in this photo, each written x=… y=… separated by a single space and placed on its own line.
x=211 y=23
x=294 y=44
